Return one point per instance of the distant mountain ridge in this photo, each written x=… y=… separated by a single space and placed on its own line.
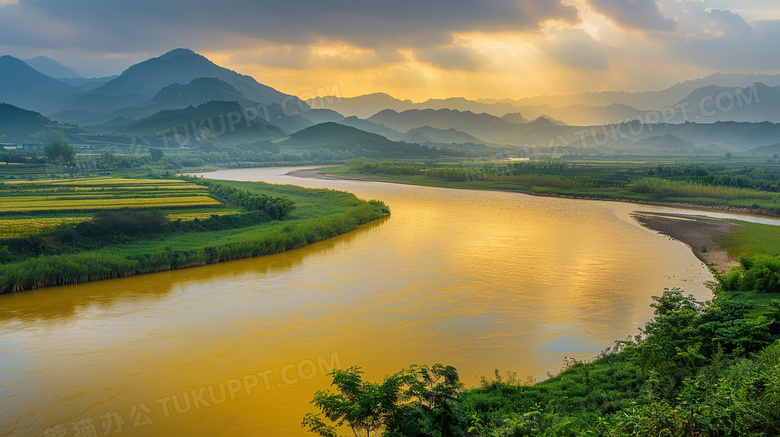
x=51 y=68
x=26 y=87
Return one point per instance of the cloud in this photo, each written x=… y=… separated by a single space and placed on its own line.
x=452 y=57
x=574 y=48
x=8 y=2
x=642 y=15
x=721 y=39
x=367 y=24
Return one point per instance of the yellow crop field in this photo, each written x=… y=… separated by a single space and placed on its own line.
x=199 y=215
x=105 y=182
x=69 y=201
x=23 y=227
x=34 y=203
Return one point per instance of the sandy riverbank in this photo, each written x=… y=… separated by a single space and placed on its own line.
x=701 y=234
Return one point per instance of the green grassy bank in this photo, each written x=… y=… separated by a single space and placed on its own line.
x=263 y=219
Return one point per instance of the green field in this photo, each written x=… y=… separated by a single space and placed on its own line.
x=180 y=223
x=750 y=187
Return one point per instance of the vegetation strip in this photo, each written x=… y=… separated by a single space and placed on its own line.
x=743 y=190
x=255 y=219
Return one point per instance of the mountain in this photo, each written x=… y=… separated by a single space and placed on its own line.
x=514 y=118
x=462 y=104
x=432 y=135
x=374 y=128
x=182 y=66
x=17 y=125
x=755 y=103
x=51 y=68
x=86 y=84
x=335 y=136
x=771 y=150
x=367 y=105
x=582 y=115
x=546 y=120
x=667 y=144
x=465 y=121
x=646 y=99
x=26 y=87
x=201 y=90
x=166 y=82
x=362 y=106
x=221 y=122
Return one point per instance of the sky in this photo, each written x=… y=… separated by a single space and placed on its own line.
x=412 y=49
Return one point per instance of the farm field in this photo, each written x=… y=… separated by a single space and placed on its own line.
x=33 y=207
x=78 y=230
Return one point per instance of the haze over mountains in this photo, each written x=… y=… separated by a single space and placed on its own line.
x=724 y=112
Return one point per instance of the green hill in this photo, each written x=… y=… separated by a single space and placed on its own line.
x=336 y=136
x=220 y=122
x=17 y=125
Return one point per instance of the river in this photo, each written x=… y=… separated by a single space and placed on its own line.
x=476 y=280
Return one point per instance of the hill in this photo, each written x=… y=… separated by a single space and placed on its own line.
x=644 y=99
x=756 y=103
x=427 y=134
x=335 y=136
x=770 y=150
x=17 y=125
x=465 y=121
x=667 y=144
x=26 y=87
x=363 y=106
x=371 y=127
x=87 y=84
x=220 y=122
x=514 y=118
x=51 y=68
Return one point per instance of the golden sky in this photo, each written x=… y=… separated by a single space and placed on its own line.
x=410 y=49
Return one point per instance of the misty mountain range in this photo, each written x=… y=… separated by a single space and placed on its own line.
x=715 y=114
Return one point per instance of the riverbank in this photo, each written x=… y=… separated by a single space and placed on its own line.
x=340 y=172
x=703 y=235
x=138 y=241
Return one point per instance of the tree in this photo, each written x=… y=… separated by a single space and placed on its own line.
x=156 y=153
x=363 y=406
x=415 y=402
x=59 y=152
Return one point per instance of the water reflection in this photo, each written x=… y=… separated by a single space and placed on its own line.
x=69 y=301
x=477 y=280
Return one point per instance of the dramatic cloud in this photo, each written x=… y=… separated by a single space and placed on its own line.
x=722 y=39
x=399 y=23
x=411 y=48
x=634 y=14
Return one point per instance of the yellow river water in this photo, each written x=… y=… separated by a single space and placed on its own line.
x=476 y=280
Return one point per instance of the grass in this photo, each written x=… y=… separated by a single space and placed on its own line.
x=19 y=227
x=601 y=180
x=751 y=239
x=319 y=214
